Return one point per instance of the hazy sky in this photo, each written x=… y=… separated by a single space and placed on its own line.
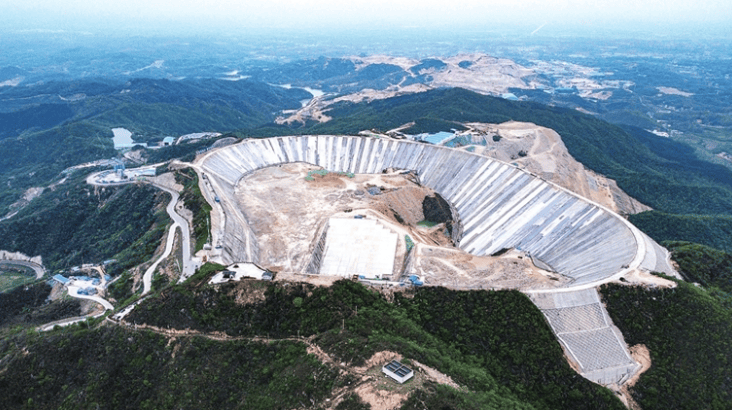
x=185 y=15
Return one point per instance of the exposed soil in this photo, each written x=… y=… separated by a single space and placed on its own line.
x=541 y=151
x=288 y=205
x=642 y=355
x=456 y=269
x=248 y=292
x=485 y=74
x=641 y=278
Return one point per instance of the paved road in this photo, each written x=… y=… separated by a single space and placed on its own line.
x=40 y=270
x=74 y=292
x=67 y=322
x=189 y=265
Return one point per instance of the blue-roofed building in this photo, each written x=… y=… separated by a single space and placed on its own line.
x=167 y=141
x=61 y=279
x=415 y=280
x=437 y=138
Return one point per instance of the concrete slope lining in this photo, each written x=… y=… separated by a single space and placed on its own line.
x=499 y=205
x=585 y=330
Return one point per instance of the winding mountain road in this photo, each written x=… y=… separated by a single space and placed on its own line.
x=38 y=269
x=189 y=266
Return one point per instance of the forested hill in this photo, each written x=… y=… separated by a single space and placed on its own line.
x=48 y=127
x=659 y=172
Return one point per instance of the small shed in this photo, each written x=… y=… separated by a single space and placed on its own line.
x=398 y=371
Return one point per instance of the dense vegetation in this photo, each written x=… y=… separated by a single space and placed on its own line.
x=28 y=305
x=710 y=230
x=197 y=204
x=712 y=268
x=688 y=333
x=42 y=135
x=497 y=344
x=114 y=368
x=35 y=159
x=76 y=223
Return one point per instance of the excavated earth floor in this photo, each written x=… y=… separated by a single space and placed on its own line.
x=287 y=207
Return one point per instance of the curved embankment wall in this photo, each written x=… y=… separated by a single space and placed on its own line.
x=499 y=205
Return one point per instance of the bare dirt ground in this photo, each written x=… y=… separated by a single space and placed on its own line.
x=541 y=151
x=167 y=180
x=642 y=355
x=485 y=74
x=673 y=91
x=378 y=390
x=287 y=213
x=456 y=269
x=641 y=278
x=547 y=155
x=286 y=210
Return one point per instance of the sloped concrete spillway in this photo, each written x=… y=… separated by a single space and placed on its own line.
x=499 y=205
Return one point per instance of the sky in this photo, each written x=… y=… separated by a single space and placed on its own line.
x=192 y=15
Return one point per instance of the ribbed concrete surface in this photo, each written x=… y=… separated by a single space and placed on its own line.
x=657 y=259
x=586 y=331
x=499 y=205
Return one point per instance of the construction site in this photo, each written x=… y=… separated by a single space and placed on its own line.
x=399 y=213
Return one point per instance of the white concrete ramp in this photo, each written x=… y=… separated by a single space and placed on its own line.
x=586 y=332
x=358 y=247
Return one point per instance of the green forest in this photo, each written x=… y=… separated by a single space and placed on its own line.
x=197 y=204
x=495 y=344
x=77 y=223
x=688 y=333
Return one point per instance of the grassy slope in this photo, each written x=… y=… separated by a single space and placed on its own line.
x=197 y=204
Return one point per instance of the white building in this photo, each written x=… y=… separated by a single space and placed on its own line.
x=398 y=371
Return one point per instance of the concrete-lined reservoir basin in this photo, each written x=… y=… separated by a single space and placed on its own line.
x=499 y=206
